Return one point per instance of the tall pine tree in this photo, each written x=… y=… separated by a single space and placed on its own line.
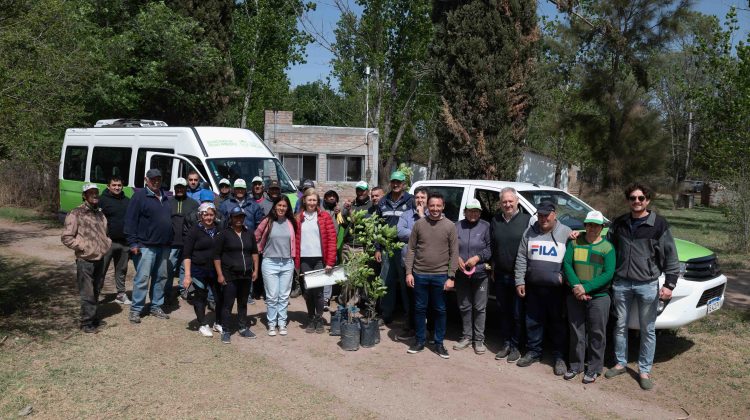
x=483 y=57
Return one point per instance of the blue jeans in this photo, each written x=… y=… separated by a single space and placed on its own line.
x=150 y=276
x=394 y=278
x=428 y=289
x=646 y=298
x=511 y=309
x=175 y=269
x=545 y=311
x=277 y=279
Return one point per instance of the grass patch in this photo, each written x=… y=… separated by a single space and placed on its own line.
x=24 y=215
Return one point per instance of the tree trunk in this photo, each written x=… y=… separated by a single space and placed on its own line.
x=250 y=71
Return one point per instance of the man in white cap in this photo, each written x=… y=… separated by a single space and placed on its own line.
x=85 y=233
x=148 y=229
x=259 y=195
x=253 y=212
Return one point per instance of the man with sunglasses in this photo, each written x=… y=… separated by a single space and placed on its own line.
x=645 y=249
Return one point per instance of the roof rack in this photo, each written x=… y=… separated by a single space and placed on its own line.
x=129 y=122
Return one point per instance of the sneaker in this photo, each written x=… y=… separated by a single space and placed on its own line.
x=571 y=374
x=503 y=353
x=646 y=383
x=462 y=344
x=319 y=326
x=416 y=348
x=615 y=371
x=135 y=318
x=218 y=328
x=251 y=301
x=122 y=299
x=590 y=377
x=205 y=331
x=442 y=352
x=226 y=337
x=560 y=367
x=514 y=355
x=89 y=329
x=528 y=359
x=159 y=313
x=282 y=330
x=245 y=332
x=479 y=347
x=311 y=325
x=406 y=335
x=272 y=331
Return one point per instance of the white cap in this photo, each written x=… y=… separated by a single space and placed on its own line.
x=594 y=216
x=180 y=181
x=257 y=179
x=87 y=186
x=473 y=204
x=240 y=183
x=225 y=181
x=361 y=185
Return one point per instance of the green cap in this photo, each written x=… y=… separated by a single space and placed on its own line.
x=398 y=176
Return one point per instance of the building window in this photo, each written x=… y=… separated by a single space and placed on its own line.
x=301 y=167
x=107 y=162
x=345 y=168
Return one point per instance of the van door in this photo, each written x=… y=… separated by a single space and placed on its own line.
x=168 y=164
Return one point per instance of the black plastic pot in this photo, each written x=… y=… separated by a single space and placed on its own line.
x=350 y=335
x=369 y=332
x=336 y=320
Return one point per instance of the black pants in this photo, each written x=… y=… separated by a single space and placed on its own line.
x=90 y=276
x=545 y=313
x=313 y=296
x=236 y=288
x=199 y=299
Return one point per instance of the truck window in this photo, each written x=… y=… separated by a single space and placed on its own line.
x=489 y=200
x=163 y=163
x=107 y=162
x=185 y=168
x=453 y=197
x=74 y=167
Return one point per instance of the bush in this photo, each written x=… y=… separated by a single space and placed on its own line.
x=30 y=186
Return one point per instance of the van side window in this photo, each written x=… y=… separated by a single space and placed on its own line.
x=163 y=163
x=453 y=196
x=74 y=167
x=184 y=168
x=107 y=162
x=490 y=200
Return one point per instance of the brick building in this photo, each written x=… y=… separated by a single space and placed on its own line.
x=335 y=158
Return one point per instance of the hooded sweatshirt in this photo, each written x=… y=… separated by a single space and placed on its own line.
x=474 y=239
x=540 y=256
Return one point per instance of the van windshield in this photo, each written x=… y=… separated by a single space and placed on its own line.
x=570 y=210
x=270 y=169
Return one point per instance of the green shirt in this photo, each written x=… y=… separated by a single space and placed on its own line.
x=590 y=265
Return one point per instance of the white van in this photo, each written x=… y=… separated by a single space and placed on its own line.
x=129 y=148
x=699 y=291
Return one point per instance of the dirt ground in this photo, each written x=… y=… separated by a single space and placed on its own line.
x=162 y=368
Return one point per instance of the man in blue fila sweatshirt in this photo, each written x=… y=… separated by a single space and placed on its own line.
x=539 y=281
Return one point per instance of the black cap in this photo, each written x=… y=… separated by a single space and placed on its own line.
x=153 y=173
x=545 y=208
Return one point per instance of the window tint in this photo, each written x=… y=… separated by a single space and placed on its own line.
x=453 y=197
x=344 y=168
x=74 y=167
x=163 y=163
x=489 y=200
x=570 y=210
x=107 y=162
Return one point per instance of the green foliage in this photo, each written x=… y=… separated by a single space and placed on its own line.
x=316 y=103
x=361 y=280
x=483 y=56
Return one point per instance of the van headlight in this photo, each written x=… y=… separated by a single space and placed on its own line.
x=683 y=268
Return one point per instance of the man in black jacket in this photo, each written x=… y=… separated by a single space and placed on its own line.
x=182 y=206
x=114 y=204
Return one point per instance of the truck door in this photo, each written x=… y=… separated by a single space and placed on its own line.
x=168 y=164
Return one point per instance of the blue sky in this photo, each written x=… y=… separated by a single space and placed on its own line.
x=326 y=15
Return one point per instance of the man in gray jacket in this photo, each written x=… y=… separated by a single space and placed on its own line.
x=645 y=249
x=539 y=281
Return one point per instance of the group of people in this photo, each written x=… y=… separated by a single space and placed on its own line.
x=546 y=278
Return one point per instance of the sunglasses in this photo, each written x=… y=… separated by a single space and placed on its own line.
x=640 y=198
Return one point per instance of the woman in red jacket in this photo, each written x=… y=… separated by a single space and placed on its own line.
x=317 y=252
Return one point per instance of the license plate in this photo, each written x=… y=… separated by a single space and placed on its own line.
x=713 y=304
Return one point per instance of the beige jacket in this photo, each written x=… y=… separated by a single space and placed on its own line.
x=85 y=233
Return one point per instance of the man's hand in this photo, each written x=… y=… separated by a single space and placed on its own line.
x=573 y=234
x=336 y=210
x=410 y=280
x=449 y=284
x=186 y=281
x=254 y=276
x=134 y=250
x=420 y=210
x=521 y=290
x=220 y=278
x=578 y=291
x=665 y=294
x=347 y=204
x=378 y=257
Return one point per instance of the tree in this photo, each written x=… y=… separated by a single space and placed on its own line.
x=483 y=57
x=48 y=60
x=265 y=41
x=391 y=37
x=317 y=103
x=617 y=40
